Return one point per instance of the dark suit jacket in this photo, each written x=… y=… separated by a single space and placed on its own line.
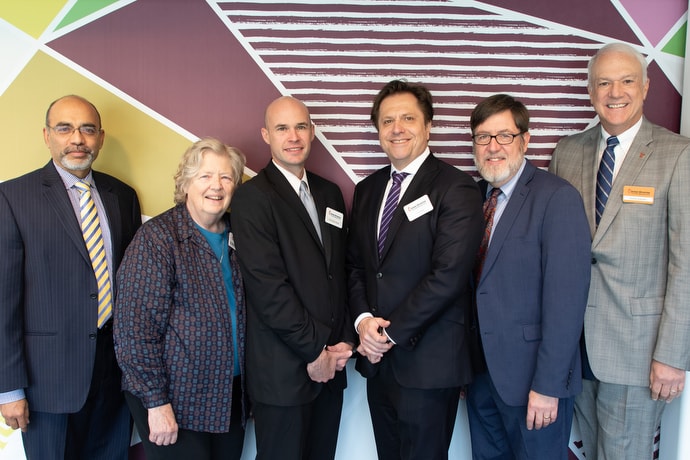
x=295 y=286
x=421 y=283
x=532 y=293
x=48 y=291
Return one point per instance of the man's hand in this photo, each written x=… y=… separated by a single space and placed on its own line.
x=373 y=342
x=338 y=347
x=542 y=410
x=323 y=368
x=16 y=414
x=162 y=425
x=666 y=382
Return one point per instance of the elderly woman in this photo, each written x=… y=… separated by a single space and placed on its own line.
x=180 y=316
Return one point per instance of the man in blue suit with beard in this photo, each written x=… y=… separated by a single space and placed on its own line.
x=531 y=283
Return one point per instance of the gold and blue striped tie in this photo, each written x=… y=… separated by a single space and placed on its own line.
x=91 y=230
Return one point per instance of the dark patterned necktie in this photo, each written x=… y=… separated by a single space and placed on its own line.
x=489 y=211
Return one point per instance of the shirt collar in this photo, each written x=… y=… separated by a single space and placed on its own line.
x=414 y=165
x=508 y=187
x=70 y=179
x=291 y=178
x=625 y=138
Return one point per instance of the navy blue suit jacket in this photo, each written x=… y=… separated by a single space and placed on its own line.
x=48 y=291
x=532 y=293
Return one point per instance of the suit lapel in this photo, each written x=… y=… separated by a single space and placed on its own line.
x=320 y=200
x=285 y=191
x=588 y=172
x=372 y=205
x=420 y=183
x=112 y=210
x=635 y=159
x=55 y=193
x=510 y=213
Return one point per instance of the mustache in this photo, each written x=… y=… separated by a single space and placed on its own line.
x=81 y=149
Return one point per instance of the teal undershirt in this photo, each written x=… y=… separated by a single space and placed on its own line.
x=219 y=245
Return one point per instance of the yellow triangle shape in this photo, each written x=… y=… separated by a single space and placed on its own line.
x=30 y=16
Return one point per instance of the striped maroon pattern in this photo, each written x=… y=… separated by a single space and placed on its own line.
x=337 y=61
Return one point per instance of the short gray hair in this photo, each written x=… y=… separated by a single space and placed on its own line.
x=616 y=48
x=191 y=162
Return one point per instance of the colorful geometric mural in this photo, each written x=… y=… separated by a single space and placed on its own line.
x=165 y=72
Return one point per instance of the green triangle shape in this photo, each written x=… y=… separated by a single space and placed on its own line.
x=82 y=9
x=676 y=45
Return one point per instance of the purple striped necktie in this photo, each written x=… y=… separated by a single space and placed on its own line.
x=389 y=207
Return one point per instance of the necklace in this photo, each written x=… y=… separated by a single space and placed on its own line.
x=223 y=246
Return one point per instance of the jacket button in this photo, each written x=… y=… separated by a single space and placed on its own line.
x=379 y=275
x=374 y=308
x=594 y=261
x=92 y=336
x=94 y=296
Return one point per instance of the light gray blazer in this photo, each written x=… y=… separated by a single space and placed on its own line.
x=639 y=299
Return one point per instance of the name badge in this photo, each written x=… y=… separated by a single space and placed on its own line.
x=334 y=217
x=418 y=208
x=636 y=194
x=231 y=240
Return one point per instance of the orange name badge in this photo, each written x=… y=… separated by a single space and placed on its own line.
x=637 y=194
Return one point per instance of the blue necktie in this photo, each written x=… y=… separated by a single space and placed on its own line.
x=388 y=208
x=605 y=176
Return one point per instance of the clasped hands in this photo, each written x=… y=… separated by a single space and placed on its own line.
x=333 y=358
x=373 y=341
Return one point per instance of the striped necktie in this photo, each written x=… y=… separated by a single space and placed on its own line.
x=91 y=230
x=389 y=207
x=605 y=176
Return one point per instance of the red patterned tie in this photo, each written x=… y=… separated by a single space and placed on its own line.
x=489 y=210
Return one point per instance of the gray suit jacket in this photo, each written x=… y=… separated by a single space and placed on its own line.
x=638 y=307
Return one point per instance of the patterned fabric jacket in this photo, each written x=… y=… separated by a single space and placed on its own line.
x=173 y=329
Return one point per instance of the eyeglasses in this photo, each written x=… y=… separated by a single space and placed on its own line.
x=68 y=130
x=502 y=138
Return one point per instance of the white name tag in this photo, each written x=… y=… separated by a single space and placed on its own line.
x=418 y=207
x=334 y=217
x=231 y=240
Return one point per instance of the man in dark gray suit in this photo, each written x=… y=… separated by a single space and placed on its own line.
x=57 y=362
x=634 y=178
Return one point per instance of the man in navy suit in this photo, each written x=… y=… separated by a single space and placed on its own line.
x=57 y=365
x=299 y=337
x=531 y=291
x=410 y=290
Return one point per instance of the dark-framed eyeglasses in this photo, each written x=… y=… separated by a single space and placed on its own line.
x=501 y=138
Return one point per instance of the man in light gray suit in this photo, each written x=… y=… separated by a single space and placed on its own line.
x=637 y=322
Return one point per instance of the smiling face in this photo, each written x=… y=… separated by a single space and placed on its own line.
x=617 y=91
x=210 y=190
x=289 y=133
x=497 y=163
x=403 y=133
x=74 y=152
